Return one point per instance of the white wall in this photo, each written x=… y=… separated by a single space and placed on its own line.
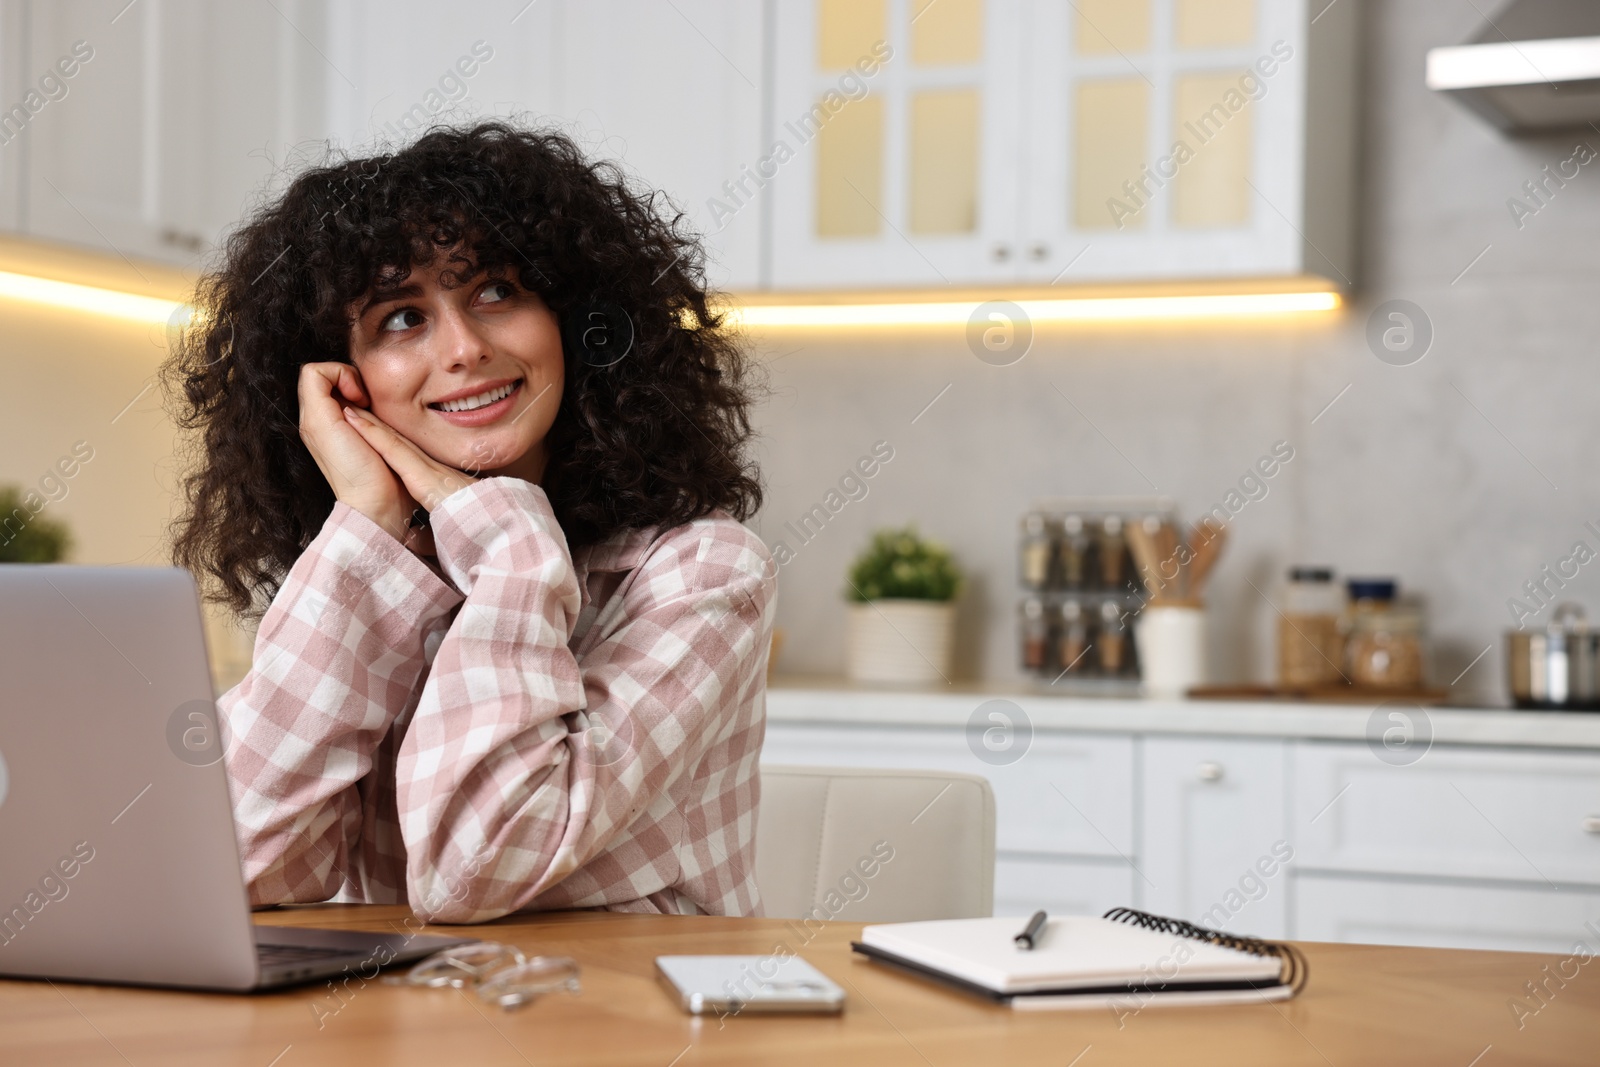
x=68 y=377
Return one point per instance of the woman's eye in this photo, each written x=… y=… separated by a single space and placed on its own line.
x=403 y=319
x=497 y=291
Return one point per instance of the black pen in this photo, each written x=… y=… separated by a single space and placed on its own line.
x=1029 y=938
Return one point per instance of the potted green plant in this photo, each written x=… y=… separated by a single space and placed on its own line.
x=902 y=589
x=24 y=536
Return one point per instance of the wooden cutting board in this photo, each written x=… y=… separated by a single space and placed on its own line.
x=1319 y=694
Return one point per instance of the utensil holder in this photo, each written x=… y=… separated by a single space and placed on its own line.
x=1171 y=641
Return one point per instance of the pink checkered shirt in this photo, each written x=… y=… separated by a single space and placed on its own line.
x=525 y=728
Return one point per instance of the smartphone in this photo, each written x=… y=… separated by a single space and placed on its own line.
x=718 y=985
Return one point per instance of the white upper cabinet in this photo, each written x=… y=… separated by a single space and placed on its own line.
x=188 y=112
x=1042 y=141
x=1189 y=139
x=673 y=92
x=15 y=82
x=409 y=64
x=176 y=116
x=669 y=91
x=814 y=144
x=893 y=152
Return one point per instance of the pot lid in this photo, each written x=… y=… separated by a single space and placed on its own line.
x=1568 y=618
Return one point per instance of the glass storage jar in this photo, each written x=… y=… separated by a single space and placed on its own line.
x=1384 y=646
x=1310 y=645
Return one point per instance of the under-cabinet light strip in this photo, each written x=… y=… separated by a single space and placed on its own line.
x=75 y=297
x=1085 y=309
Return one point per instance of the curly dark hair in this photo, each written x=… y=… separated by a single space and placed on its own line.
x=655 y=438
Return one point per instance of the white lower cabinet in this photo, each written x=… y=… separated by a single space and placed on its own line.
x=1469 y=846
x=1214 y=833
x=1445 y=915
x=1455 y=811
x=1024 y=884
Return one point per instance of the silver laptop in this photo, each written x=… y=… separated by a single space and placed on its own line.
x=118 y=860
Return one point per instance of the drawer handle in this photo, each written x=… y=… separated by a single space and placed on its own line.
x=1212 y=772
x=1591 y=825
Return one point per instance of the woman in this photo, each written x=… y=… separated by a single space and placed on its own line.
x=467 y=422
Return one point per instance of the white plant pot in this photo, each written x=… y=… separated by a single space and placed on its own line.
x=907 y=642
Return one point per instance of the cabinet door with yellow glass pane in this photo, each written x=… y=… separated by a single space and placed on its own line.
x=1049 y=142
x=1190 y=139
x=894 y=143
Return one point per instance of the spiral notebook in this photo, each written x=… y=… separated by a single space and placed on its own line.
x=1126 y=958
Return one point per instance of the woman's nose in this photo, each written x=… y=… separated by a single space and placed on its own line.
x=462 y=344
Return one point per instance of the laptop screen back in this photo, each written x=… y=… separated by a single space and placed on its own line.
x=116 y=832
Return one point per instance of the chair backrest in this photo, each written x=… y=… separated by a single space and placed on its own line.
x=869 y=845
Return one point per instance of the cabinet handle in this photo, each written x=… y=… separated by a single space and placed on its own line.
x=189 y=242
x=1591 y=825
x=1039 y=251
x=1000 y=253
x=1212 y=772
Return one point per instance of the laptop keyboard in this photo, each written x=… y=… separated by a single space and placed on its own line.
x=285 y=955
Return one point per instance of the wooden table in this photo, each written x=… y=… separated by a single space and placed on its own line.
x=1365 y=1005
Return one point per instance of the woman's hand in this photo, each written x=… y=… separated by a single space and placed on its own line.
x=423 y=478
x=357 y=473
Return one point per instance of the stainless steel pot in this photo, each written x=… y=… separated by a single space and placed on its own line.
x=1558 y=667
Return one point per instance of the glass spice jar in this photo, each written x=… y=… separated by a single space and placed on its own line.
x=1113 y=549
x=1074 y=634
x=1384 y=646
x=1310 y=644
x=1074 y=552
x=1033 y=553
x=1112 y=638
x=1035 y=635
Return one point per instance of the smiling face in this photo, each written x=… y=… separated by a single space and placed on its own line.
x=471 y=374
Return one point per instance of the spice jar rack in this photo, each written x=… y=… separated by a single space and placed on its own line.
x=1080 y=592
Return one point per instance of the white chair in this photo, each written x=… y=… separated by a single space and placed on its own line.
x=871 y=845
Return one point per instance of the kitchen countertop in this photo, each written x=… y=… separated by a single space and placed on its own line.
x=833 y=701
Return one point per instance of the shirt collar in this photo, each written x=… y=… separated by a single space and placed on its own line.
x=622 y=551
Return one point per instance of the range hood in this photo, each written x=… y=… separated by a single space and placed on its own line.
x=1535 y=69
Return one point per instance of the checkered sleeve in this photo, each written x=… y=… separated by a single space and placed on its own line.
x=337 y=658
x=525 y=780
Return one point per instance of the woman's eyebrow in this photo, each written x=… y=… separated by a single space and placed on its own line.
x=384 y=296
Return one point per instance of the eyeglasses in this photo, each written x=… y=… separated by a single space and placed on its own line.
x=498 y=972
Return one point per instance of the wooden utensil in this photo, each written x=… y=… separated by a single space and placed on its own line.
x=1146 y=556
x=1206 y=541
x=1167 y=546
x=1170 y=560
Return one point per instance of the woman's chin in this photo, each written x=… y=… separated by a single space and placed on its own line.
x=481 y=453
x=488 y=461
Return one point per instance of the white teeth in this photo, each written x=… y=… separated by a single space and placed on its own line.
x=481 y=400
